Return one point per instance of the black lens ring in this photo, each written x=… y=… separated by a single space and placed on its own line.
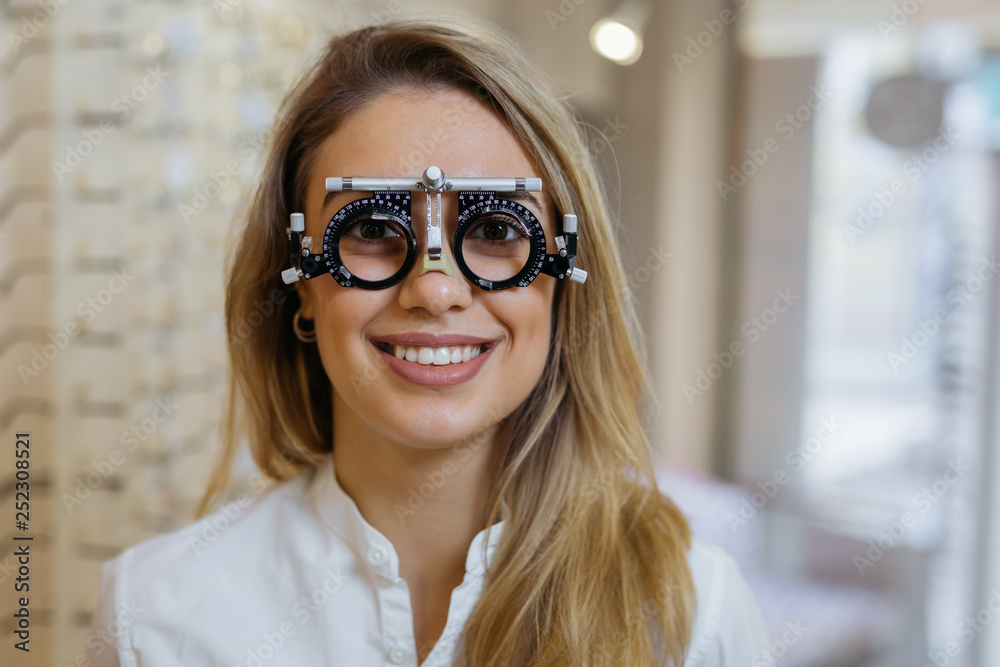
x=378 y=202
x=486 y=203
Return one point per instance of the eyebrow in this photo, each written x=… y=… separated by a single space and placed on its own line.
x=330 y=196
x=522 y=195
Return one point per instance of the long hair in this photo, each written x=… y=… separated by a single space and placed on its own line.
x=591 y=568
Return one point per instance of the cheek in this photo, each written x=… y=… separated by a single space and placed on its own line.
x=529 y=318
x=341 y=317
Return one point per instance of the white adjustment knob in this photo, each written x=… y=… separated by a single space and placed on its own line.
x=433 y=177
x=578 y=275
x=290 y=275
x=298 y=222
x=569 y=223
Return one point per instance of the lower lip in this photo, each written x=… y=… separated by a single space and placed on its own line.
x=435 y=376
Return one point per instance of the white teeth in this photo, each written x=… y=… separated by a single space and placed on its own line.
x=437 y=356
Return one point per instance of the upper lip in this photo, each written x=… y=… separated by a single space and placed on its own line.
x=418 y=339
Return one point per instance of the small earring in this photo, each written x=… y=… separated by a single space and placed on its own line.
x=304 y=336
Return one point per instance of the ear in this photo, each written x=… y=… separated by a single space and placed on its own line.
x=305 y=293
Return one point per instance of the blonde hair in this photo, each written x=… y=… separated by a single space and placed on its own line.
x=592 y=567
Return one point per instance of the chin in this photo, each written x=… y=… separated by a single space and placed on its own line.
x=423 y=433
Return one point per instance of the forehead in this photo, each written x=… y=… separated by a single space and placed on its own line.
x=402 y=132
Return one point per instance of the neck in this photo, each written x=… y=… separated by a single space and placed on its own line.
x=428 y=502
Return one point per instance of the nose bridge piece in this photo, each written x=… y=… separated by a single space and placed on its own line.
x=442 y=263
x=433 y=182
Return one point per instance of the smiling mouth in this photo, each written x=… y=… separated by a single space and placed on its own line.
x=434 y=356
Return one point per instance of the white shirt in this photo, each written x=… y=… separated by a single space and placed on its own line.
x=296 y=577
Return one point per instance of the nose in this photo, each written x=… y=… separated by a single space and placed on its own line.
x=434 y=286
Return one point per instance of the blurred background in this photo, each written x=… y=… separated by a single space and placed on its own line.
x=807 y=195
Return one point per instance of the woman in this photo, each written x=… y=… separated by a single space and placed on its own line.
x=463 y=473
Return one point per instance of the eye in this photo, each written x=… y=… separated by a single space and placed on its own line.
x=497 y=230
x=369 y=230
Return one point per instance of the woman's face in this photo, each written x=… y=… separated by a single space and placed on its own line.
x=426 y=405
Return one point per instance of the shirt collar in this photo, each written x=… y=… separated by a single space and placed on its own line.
x=340 y=513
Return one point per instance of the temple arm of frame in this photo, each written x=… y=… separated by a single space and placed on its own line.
x=563 y=264
x=575 y=273
x=295 y=231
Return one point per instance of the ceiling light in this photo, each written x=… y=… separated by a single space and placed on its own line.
x=618 y=37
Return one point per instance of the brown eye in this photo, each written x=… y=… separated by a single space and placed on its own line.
x=372 y=230
x=495 y=231
x=367 y=229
